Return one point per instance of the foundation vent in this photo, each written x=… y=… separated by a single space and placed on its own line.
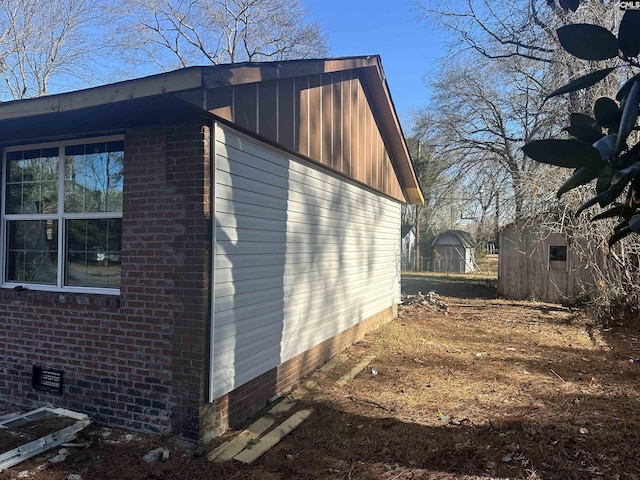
x=46 y=379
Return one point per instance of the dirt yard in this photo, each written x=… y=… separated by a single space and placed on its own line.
x=467 y=386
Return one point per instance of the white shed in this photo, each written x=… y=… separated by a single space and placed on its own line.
x=453 y=251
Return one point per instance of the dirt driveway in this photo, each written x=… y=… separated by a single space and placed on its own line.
x=467 y=386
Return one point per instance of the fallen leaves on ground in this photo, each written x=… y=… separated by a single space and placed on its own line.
x=495 y=389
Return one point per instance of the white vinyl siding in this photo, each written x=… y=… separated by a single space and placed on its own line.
x=300 y=256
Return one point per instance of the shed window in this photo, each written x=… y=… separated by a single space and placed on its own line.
x=62 y=215
x=557 y=257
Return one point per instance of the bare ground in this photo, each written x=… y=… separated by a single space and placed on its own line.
x=467 y=386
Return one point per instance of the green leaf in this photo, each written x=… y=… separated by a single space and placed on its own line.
x=629 y=116
x=562 y=153
x=570 y=4
x=635 y=224
x=624 y=223
x=604 y=179
x=624 y=89
x=588 y=42
x=628 y=37
x=607 y=198
x=606 y=146
x=603 y=199
x=612 y=212
x=619 y=235
x=624 y=174
x=586 y=134
x=581 y=176
x=605 y=110
x=582 y=82
x=581 y=120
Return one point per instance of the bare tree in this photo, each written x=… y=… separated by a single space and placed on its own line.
x=45 y=42
x=500 y=29
x=434 y=172
x=484 y=118
x=178 y=33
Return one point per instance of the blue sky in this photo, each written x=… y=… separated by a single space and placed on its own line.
x=408 y=48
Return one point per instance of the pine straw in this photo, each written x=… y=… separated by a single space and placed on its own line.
x=495 y=389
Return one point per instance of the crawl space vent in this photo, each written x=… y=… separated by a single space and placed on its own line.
x=46 y=379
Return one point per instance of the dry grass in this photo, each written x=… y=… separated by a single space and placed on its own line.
x=495 y=389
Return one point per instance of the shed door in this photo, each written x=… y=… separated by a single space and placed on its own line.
x=558 y=273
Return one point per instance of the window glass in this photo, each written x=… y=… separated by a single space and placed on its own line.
x=93 y=177
x=86 y=223
x=93 y=252
x=557 y=257
x=32 y=181
x=32 y=251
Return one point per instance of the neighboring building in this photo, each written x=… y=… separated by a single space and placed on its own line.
x=408 y=242
x=541 y=264
x=180 y=248
x=453 y=251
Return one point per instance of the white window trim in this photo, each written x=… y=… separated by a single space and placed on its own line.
x=60 y=216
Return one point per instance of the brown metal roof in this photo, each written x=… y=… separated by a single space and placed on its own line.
x=182 y=93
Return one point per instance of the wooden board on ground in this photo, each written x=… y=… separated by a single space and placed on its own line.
x=302 y=390
x=248 y=455
x=334 y=362
x=355 y=371
x=284 y=406
x=228 y=450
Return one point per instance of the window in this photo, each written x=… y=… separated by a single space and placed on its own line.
x=62 y=215
x=557 y=257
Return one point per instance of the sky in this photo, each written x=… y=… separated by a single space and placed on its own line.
x=390 y=28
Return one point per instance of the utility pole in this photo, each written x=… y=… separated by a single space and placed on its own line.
x=497 y=219
x=417 y=249
x=417 y=223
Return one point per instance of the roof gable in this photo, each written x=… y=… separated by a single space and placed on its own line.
x=455 y=237
x=336 y=112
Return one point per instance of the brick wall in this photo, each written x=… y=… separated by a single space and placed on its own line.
x=233 y=409
x=137 y=360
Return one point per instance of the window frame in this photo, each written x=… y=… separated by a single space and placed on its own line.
x=558 y=265
x=60 y=216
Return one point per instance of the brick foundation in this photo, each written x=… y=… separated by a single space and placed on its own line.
x=237 y=406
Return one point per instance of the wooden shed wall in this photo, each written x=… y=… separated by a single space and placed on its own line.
x=524 y=268
x=325 y=117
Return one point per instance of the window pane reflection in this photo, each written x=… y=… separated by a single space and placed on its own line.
x=93 y=252
x=93 y=177
x=32 y=251
x=32 y=181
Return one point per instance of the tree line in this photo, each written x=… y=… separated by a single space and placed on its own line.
x=48 y=46
x=525 y=88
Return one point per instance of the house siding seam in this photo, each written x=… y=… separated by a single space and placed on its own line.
x=327 y=258
x=135 y=361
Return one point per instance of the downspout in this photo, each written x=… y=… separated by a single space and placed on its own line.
x=212 y=279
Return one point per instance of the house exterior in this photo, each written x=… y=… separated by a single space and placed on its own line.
x=453 y=251
x=542 y=264
x=181 y=248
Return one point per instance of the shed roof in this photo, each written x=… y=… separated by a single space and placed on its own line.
x=181 y=94
x=464 y=238
x=405 y=229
